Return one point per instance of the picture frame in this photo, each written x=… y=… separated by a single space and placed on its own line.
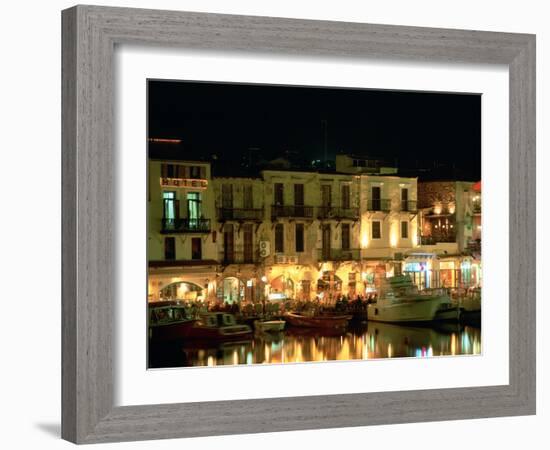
x=90 y=34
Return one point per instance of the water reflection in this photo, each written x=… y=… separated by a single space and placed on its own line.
x=375 y=340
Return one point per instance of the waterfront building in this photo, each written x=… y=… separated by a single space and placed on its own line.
x=450 y=229
x=303 y=234
x=181 y=238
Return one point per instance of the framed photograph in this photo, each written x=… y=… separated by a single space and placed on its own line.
x=278 y=224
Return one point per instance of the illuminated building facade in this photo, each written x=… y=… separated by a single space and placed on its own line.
x=450 y=227
x=296 y=234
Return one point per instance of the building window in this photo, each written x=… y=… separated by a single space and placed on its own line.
x=248 y=200
x=228 y=243
x=326 y=195
x=196 y=248
x=227 y=196
x=404 y=199
x=169 y=248
x=345 y=236
x=278 y=199
x=346 y=201
x=170 y=205
x=376 y=229
x=248 y=247
x=299 y=237
x=279 y=238
x=376 y=198
x=404 y=230
x=299 y=194
x=194 y=212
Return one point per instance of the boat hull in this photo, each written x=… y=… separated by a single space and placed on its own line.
x=270 y=326
x=231 y=333
x=329 y=322
x=418 y=310
x=170 y=331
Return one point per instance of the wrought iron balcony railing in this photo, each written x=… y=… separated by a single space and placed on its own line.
x=185 y=226
x=332 y=212
x=291 y=211
x=240 y=214
x=408 y=206
x=238 y=258
x=432 y=240
x=339 y=254
x=379 y=204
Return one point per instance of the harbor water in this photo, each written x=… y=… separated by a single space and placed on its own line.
x=360 y=341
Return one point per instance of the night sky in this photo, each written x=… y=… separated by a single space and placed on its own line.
x=243 y=126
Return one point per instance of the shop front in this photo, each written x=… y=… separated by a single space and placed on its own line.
x=423 y=269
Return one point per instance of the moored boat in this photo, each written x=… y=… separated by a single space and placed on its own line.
x=168 y=321
x=269 y=326
x=448 y=311
x=317 y=321
x=218 y=326
x=400 y=300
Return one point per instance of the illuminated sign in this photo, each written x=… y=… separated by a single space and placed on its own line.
x=189 y=183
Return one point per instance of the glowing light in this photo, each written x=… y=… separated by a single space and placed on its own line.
x=438 y=208
x=393 y=234
x=452 y=208
x=264 y=279
x=390 y=351
x=364 y=240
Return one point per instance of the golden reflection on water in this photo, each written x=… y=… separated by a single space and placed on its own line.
x=377 y=340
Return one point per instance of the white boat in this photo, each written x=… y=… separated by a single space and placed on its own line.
x=269 y=326
x=400 y=300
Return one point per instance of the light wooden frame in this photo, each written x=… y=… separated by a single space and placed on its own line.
x=89 y=37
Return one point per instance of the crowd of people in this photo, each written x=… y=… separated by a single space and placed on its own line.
x=341 y=304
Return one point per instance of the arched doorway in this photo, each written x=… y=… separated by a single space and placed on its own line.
x=182 y=290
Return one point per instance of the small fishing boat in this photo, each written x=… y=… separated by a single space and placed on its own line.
x=168 y=321
x=401 y=301
x=317 y=321
x=269 y=326
x=218 y=326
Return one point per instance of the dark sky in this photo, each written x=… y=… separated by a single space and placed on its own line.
x=227 y=120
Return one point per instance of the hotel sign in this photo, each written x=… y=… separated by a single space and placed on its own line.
x=189 y=183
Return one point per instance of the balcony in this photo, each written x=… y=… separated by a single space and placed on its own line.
x=379 y=204
x=185 y=226
x=339 y=254
x=240 y=214
x=298 y=211
x=331 y=212
x=433 y=240
x=408 y=206
x=227 y=258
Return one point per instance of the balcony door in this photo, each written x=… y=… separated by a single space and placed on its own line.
x=248 y=248
x=170 y=210
x=299 y=199
x=228 y=243
x=248 y=200
x=278 y=192
x=404 y=199
x=346 y=200
x=194 y=209
x=376 y=198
